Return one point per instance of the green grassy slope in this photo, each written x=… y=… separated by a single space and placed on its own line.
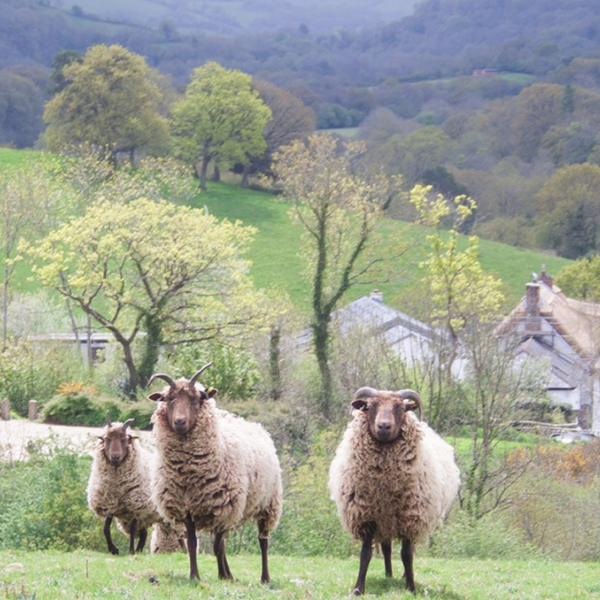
x=276 y=251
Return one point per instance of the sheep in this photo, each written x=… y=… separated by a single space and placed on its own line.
x=166 y=538
x=392 y=477
x=119 y=485
x=215 y=470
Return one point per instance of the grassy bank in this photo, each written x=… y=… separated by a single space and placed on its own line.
x=84 y=575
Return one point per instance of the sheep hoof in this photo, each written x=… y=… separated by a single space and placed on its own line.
x=357 y=592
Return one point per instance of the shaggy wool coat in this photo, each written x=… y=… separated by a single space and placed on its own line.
x=224 y=471
x=403 y=489
x=123 y=492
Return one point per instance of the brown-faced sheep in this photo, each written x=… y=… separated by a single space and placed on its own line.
x=119 y=485
x=215 y=470
x=392 y=477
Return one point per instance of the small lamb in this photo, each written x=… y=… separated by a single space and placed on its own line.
x=119 y=485
x=215 y=470
x=392 y=477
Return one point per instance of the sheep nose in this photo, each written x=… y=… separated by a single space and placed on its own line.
x=384 y=426
x=179 y=423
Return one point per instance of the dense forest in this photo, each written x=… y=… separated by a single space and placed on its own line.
x=494 y=98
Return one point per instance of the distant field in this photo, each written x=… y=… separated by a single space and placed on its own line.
x=276 y=250
x=90 y=575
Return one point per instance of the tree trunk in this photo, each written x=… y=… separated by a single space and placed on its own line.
x=203 y=171
x=321 y=343
x=152 y=347
x=274 y=362
x=216 y=173
x=134 y=380
x=245 y=176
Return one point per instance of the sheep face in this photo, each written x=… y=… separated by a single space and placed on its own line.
x=386 y=411
x=183 y=404
x=115 y=444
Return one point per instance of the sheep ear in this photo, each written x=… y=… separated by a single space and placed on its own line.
x=155 y=397
x=211 y=392
x=131 y=438
x=359 y=404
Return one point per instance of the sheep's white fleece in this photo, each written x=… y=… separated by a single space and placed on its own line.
x=123 y=492
x=405 y=488
x=224 y=471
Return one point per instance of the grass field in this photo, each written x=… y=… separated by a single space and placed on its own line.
x=89 y=576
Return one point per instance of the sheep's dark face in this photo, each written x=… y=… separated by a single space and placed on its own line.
x=183 y=404
x=116 y=442
x=385 y=411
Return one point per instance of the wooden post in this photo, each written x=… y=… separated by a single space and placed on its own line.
x=33 y=410
x=5 y=409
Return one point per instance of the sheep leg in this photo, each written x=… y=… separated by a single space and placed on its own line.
x=142 y=540
x=263 y=541
x=365 y=558
x=407 y=553
x=132 y=532
x=219 y=550
x=192 y=544
x=111 y=547
x=386 y=549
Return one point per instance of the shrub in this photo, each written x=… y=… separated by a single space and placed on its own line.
x=44 y=502
x=81 y=408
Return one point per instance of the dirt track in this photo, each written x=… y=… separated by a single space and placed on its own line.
x=15 y=435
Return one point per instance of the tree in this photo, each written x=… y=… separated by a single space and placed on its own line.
x=174 y=273
x=112 y=100
x=290 y=119
x=581 y=280
x=465 y=306
x=221 y=118
x=568 y=217
x=340 y=210
x=27 y=193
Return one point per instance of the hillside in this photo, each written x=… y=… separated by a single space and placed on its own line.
x=276 y=251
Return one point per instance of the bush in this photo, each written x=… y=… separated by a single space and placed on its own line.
x=44 y=503
x=81 y=408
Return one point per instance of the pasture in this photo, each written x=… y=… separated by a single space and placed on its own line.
x=83 y=575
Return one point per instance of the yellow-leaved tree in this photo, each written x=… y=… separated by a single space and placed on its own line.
x=175 y=273
x=340 y=207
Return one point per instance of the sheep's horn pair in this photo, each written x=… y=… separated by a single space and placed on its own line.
x=365 y=392
x=198 y=373
x=414 y=396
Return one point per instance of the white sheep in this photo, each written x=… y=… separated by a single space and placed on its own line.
x=119 y=485
x=392 y=477
x=215 y=470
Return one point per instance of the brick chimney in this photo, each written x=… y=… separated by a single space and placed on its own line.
x=532 y=300
x=545 y=278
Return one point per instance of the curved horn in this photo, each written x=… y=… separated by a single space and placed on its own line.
x=164 y=376
x=108 y=419
x=198 y=373
x=365 y=392
x=126 y=424
x=412 y=395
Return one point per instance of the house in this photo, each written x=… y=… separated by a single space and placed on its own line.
x=409 y=337
x=564 y=334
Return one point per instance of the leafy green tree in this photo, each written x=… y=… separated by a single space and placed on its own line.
x=340 y=210
x=581 y=280
x=290 y=119
x=568 y=210
x=220 y=119
x=111 y=100
x=538 y=107
x=63 y=59
x=174 y=273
